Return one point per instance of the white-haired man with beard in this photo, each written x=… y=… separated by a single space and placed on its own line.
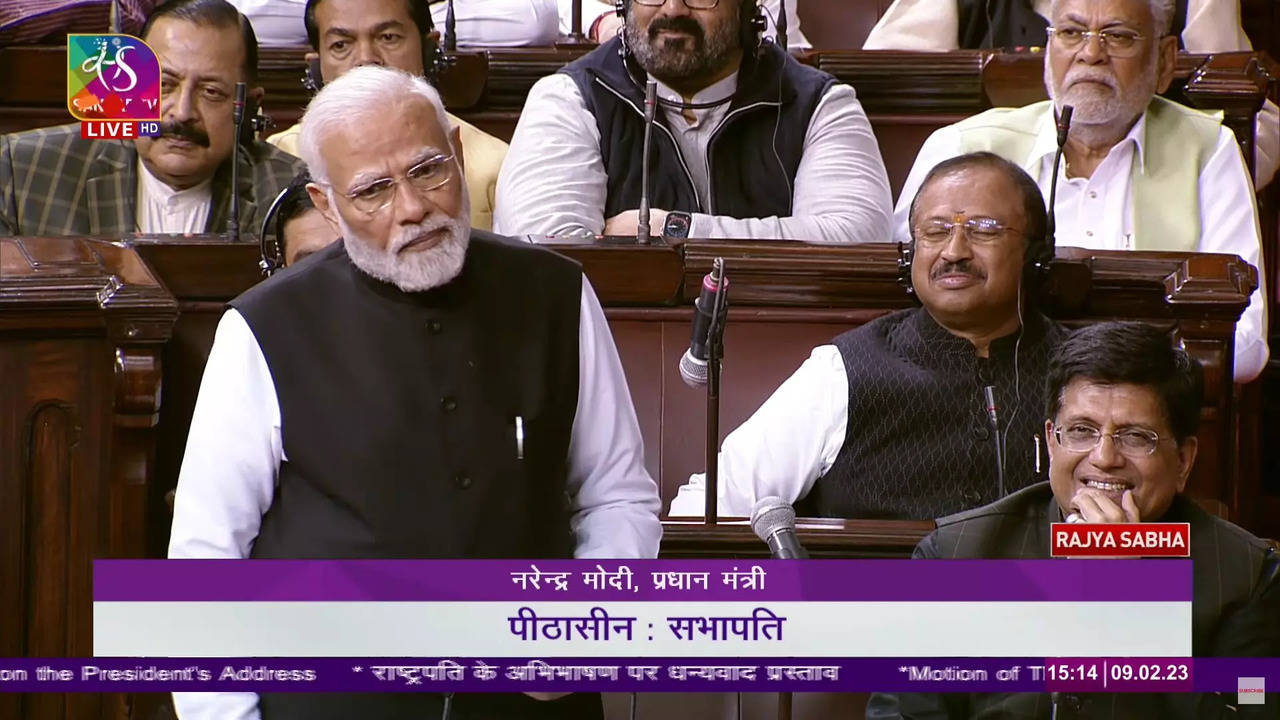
x=418 y=390
x=1139 y=172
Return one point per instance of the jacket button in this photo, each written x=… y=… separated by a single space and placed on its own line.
x=449 y=403
x=462 y=481
x=434 y=327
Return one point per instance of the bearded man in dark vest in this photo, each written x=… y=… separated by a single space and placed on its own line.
x=890 y=420
x=746 y=141
x=419 y=390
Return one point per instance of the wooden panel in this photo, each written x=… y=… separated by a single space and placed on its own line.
x=81 y=324
x=843 y=24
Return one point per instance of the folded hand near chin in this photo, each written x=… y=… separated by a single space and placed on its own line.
x=1095 y=506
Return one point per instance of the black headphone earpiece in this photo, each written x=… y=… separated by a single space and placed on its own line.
x=906 y=253
x=271 y=251
x=752 y=28
x=1042 y=258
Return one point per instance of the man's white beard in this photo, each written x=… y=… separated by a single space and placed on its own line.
x=416 y=270
x=1095 y=106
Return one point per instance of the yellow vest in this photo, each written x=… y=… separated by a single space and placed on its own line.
x=1165 y=187
x=482 y=159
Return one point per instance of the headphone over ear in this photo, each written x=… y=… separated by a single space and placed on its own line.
x=272 y=251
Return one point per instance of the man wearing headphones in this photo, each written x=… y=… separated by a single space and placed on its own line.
x=891 y=420
x=749 y=143
x=398 y=34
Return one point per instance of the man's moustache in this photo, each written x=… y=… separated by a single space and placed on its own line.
x=676 y=24
x=964 y=267
x=1090 y=77
x=185 y=132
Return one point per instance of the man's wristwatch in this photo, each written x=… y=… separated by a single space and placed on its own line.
x=677 y=225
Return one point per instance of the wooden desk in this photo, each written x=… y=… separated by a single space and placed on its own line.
x=81 y=330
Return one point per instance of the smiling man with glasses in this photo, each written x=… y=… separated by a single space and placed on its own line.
x=418 y=390
x=1123 y=407
x=1139 y=172
x=888 y=420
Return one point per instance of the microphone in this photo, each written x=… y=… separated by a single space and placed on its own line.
x=774 y=522
x=693 y=364
x=1059 y=700
x=237 y=114
x=450 y=29
x=1051 y=225
x=650 y=109
x=989 y=395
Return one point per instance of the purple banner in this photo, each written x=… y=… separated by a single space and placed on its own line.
x=1124 y=580
x=626 y=675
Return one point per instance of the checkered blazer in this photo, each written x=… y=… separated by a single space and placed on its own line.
x=54 y=183
x=1235 y=612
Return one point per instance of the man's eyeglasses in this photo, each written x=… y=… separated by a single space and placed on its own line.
x=1117 y=43
x=1133 y=442
x=691 y=4
x=979 y=230
x=426 y=175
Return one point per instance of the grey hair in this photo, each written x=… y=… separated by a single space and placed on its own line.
x=1162 y=12
x=358 y=96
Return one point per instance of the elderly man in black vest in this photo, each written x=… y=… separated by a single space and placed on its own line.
x=747 y=142
x=419 y=390
x=890 y=420
x=1122 y=407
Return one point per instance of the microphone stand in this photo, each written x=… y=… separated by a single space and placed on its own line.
x=650 y=110
x=715 y=350
x=989 y=395
x=575 y=25
x=1063 y=123
x=233 y=220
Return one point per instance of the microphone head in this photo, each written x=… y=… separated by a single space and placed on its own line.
x=693 y=371
x=1064 y=123
x=242 y=92
x=770 y=515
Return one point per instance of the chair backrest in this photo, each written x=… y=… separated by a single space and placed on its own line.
x=839 y=23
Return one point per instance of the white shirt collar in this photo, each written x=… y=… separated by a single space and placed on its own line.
x=1046 y=142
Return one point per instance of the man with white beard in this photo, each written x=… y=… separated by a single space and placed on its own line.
x=1139 y=172
x=418 y=390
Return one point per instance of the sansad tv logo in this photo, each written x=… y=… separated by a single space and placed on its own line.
x=113 y=86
